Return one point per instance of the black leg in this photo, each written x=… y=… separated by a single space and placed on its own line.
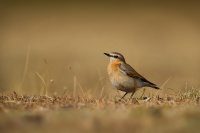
x=132 y=95
x=124 y=95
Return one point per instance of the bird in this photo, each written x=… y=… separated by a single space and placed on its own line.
x=123 y=77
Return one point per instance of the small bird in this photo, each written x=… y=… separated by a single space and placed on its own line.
x=123 y=77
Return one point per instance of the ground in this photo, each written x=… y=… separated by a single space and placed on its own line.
x=172 y=113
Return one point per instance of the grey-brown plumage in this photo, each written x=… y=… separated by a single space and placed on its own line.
x=123 y=77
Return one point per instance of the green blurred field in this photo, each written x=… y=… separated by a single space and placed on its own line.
x=59 y=46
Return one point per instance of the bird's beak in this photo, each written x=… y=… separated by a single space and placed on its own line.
x=107 y=54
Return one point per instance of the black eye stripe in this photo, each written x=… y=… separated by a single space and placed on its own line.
x=115 y=56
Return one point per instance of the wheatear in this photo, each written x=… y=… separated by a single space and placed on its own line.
x=123 y=77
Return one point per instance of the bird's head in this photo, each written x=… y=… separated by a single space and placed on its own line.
x=114 y=56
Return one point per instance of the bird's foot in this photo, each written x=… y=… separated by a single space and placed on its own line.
x=122 y=100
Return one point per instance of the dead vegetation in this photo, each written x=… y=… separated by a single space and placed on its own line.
x=37 y=113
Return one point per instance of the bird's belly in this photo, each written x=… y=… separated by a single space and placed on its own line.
x=125 y=83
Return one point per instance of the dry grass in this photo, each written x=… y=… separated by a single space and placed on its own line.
x=172 y=113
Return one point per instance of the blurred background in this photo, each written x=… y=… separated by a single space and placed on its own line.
x=63 y=42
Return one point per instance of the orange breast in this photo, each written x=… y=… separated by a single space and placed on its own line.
x=113 y=67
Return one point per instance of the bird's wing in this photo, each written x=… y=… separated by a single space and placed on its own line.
x=129 y=71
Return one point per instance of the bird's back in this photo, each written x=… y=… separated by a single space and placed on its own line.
x=129 y=71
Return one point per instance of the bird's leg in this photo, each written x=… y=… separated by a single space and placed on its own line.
x=132 y=96
x=124 y=96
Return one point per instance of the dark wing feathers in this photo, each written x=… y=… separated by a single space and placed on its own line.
x=129 y=71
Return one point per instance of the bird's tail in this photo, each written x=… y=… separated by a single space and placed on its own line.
x=152 y=85
x=156 y=87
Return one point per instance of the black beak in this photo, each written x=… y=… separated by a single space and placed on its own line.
x=107 y=54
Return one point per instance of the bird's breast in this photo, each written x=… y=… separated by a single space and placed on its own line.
x=113 y=68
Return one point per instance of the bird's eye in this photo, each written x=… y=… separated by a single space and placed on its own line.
x=115 y=56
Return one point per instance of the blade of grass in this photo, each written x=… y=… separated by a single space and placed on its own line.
x=100 y=78
x=42 y=79
x=78 y=83
x=25 y=68
x=161 y=87
x=74 y=90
